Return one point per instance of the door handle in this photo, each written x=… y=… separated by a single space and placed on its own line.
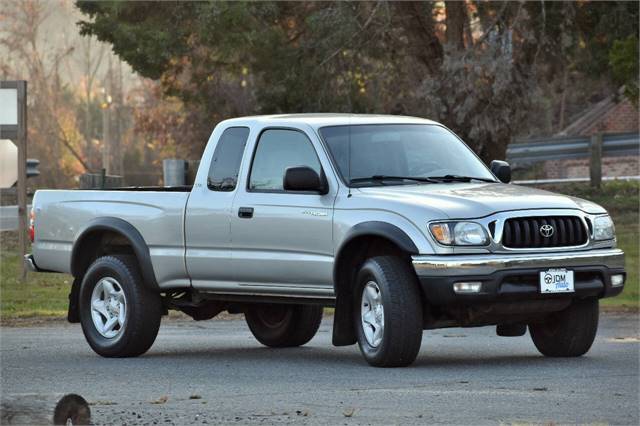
x=245 y=212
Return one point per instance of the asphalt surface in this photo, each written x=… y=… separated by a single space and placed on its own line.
x=9 y=217
x=215 y=372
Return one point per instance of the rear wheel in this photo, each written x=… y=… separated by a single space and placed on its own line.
x=568 y=333
x=283 y=325
x=120 y=316
x=388 y=312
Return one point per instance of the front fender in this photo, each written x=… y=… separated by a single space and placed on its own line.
x=349 y=226
x=391 y=225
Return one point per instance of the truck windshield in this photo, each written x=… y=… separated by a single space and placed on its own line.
x=420 y=153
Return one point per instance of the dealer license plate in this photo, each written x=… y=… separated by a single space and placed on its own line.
x=556 y=281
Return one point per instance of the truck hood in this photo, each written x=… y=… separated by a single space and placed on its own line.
x=473 y=200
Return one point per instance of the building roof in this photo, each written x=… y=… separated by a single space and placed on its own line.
x=595 y=118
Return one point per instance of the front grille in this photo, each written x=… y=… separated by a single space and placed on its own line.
x=529 y=232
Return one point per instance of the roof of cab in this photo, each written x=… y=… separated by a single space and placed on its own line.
x=317 y=120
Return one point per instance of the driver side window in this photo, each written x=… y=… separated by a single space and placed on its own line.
x=277 y=150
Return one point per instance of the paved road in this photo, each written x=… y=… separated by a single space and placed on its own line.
x=9 y=217
x=215 y=372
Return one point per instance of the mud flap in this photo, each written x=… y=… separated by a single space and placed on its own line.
x=344 y=333
x=73 y=315
x=511 y=330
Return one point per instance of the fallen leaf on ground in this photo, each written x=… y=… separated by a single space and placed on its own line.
x=161 y=400
x=628 y=339
x=102 y=403
x=349 y=412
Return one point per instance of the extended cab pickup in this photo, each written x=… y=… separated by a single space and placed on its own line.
x=392 y=220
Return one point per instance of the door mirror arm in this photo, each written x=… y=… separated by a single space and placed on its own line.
x=502 y=170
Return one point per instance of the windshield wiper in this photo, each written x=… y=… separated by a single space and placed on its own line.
x=380 y=178
x=458 y=178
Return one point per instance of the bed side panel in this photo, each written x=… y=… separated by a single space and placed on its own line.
x=158 y=216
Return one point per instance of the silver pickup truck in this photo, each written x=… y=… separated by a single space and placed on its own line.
x=392 y=220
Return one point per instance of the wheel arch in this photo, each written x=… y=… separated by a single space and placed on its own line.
x=91 y=239
x=362 y=241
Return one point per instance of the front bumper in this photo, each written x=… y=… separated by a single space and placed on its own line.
x=514 y=277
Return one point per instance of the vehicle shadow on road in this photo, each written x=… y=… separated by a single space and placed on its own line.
x=497 y=361
x=305 y=354
x=350 y=356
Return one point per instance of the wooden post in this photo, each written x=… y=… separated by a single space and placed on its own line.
x=595 y=165
x=106 y=139
x=22 y=173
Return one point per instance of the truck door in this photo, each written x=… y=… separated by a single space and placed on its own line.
x=208 y=215
x=282 y=240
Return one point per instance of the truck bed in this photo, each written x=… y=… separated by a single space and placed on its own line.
x=182 y=188
x=157 y=213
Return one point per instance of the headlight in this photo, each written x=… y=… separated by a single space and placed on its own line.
x=459 y=233
x=603 y=228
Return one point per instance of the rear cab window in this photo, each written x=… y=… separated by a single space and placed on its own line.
x=225 y=164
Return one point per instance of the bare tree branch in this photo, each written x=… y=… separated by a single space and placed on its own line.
x=353 y=36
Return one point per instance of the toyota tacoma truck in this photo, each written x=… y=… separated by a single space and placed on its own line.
x=391 y=220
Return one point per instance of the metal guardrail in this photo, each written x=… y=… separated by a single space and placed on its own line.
x=571 y=180
x=542 y=149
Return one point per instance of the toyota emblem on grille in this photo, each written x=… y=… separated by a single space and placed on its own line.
x=546 y=231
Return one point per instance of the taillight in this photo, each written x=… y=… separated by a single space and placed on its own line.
x=32 y=225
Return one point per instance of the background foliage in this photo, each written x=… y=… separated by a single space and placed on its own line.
x=151 y=79
x=488 y=70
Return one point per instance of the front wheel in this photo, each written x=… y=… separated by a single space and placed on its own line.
x=283 y=325
x=120 y=316
x=568 y=333
x=388 y=312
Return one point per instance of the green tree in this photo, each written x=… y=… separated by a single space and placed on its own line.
x=624 y=64
x=483 y=70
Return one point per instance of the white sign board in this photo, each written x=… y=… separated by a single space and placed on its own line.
x=9 y=106
x=8 y=163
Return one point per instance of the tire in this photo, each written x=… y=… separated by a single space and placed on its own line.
x=137 y=319
x=387 y=289
x=568 y=333
x=283 y=325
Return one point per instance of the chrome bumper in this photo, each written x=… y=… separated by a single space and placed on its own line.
x=486 y=264
x=30 y=263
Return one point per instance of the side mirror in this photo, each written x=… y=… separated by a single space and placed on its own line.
x=303 y=178
x=502 y=170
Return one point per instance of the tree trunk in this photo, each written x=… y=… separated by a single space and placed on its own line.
x=563 y=98
x=456 y=20
x=415 y=18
